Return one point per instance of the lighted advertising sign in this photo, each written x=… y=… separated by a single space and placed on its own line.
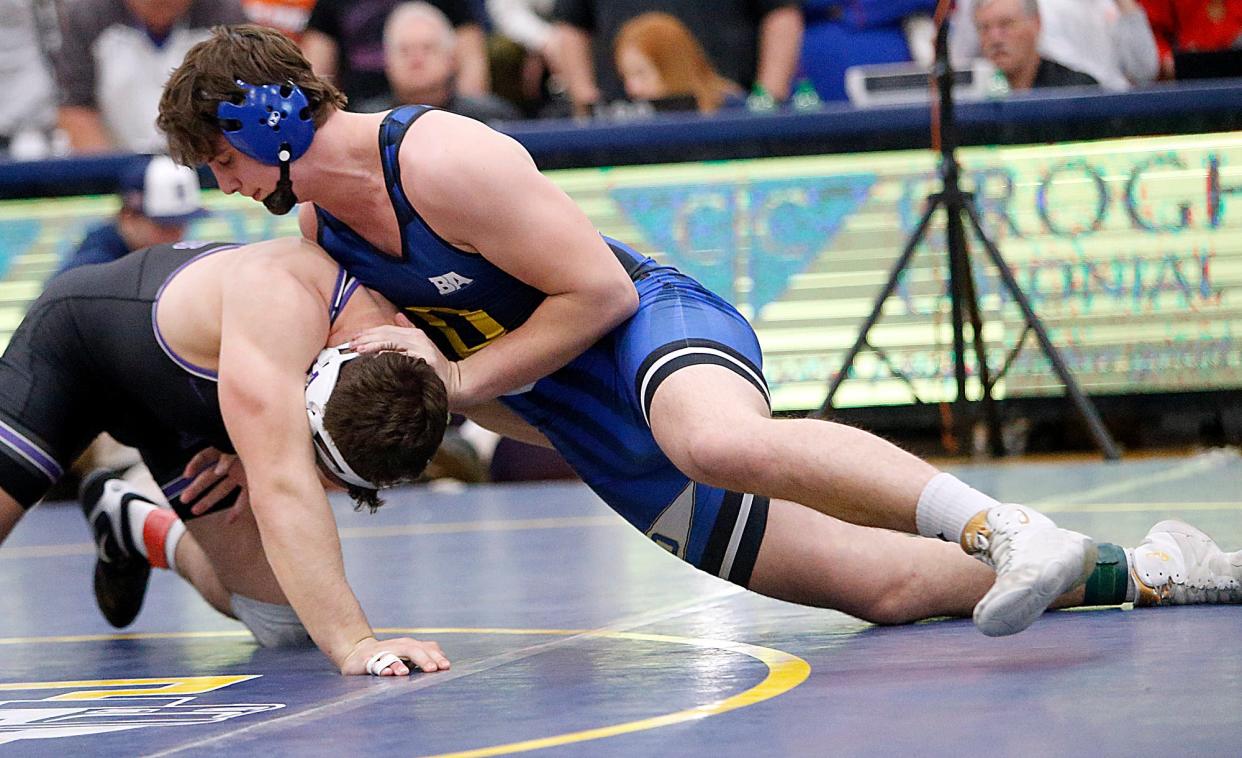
x=1129 y=250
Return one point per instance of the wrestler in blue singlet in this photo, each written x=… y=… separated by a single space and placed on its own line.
x=594 y=409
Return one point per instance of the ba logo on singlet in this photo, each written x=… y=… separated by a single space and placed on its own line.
x=450 y=282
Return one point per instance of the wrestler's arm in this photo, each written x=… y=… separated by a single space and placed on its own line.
x=496 y=417
x=264 y=352
x=480 y=190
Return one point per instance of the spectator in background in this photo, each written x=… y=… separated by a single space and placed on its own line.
x=1109 y=39
x=1009 y=35
x=288 y=16
x=1193 y=25
x=421 y=65
x=752 y=42
x=159 y=198
x=28 y=107
x=113 y=60
x=845 y=33
x=523 y=53
x=344 y=42
x=661 y=62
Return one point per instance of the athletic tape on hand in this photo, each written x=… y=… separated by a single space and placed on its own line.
x=381 y=661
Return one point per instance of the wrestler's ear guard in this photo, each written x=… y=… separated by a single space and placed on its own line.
x=320 y=382
x=270 y=122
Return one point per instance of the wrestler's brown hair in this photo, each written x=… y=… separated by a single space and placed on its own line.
x=208 y=76
x=386 y=415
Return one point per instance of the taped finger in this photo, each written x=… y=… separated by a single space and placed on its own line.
x=381 y=661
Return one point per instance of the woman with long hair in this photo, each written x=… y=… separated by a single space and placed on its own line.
x=659 y=59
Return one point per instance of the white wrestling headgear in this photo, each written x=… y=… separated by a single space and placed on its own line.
x=319 y=385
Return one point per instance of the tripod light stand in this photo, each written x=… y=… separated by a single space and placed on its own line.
x=959 y=208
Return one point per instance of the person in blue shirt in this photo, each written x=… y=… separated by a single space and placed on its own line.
x=650 y=385
x=159 y=199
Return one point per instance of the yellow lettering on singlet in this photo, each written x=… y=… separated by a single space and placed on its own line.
x=440 y=318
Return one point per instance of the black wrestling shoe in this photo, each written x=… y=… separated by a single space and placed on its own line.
x=121 y=571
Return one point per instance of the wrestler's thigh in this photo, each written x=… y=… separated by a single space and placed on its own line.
x=236 y=552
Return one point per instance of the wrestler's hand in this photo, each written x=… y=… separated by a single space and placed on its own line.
x=389 y=657
x=404 y=337
x=217 y=474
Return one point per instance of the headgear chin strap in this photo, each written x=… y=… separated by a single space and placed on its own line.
x=282 y=199
x=319 y=385
x=272 y=124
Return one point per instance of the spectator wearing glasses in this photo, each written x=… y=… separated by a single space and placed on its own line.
x=1009 y=35
x=1110 y=40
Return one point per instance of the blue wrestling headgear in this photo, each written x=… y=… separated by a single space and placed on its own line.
x=319 y=385
x=271 y=124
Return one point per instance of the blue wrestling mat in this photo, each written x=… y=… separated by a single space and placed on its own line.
x=570 y=634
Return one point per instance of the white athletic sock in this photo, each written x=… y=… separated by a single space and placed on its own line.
x=138 y=512
x=171 y=540
x=946 y=505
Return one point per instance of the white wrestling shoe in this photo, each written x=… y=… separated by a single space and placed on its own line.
x=1035 y=560
x=1177 y=564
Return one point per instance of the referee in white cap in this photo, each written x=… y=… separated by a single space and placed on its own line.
x=159 y=198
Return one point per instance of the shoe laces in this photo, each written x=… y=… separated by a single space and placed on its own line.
x=1209 y=575
x=1008 y=527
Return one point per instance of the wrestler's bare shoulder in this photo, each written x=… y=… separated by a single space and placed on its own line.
x=284 y=256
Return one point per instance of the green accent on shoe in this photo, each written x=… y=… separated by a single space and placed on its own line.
x=1107 y=584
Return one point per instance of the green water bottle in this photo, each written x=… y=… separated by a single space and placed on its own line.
x=760 y=100
x=805 y=98
x=998 y=85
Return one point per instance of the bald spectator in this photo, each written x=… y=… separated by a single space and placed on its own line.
x=114 y=58
x=748 y=41
x=344 y=42
x=421 y=65
x=1109 y=39
x=1009 y=35
x=158 y=201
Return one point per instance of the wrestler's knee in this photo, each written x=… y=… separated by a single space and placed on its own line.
x=719 y=460
x=272 y=624
x=896 y=604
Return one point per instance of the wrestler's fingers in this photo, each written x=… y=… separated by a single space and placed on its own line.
x=202 y=459
x=203 y=481
x=386 y=663
x=426 y=655
x=225 y=463
x=240 y=507
x=221 y=489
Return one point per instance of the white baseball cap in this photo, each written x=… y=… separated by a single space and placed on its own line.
x=162 y=190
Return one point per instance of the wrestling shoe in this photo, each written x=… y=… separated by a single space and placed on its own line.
x=121 y=571
x=1177 y=564
x=1036 y=562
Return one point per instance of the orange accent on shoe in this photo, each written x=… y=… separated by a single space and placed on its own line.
x=978 y=525
x=1147 y=596
x=155 y=532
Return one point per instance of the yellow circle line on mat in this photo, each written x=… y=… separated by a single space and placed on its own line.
x=785 y=672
